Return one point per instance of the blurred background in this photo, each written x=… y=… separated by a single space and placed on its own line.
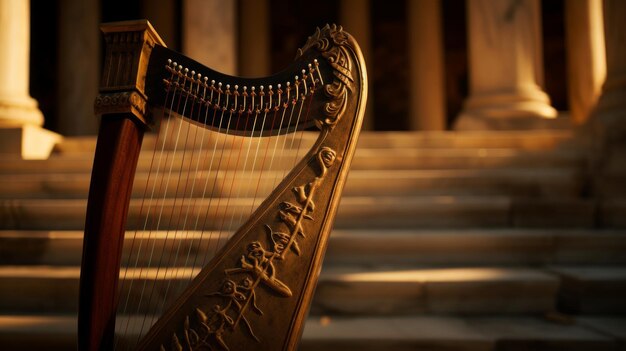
x=486 y=209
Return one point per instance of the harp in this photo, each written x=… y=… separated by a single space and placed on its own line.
x=254 y=291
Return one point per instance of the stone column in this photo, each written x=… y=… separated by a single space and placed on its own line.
x=505 y=74
x=209 y=33
x=586 y=56
x=20 y=118
x=354 y=17
x=608 y=121
x=427 y=94
x=254 y=38
x=78 y=66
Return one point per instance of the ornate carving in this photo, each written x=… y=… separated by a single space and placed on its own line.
x=322 y=38
x=257 y=267
x=332 y=42
x=127 y=101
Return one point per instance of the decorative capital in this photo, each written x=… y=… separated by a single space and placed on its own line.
x=129 y=45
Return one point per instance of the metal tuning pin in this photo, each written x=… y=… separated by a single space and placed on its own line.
x=225 y=106
x=253 y=95
x=205 y=85
x=319 y=74
x=304 y=77
x=270 y=93
x=311 y=71
x=236 y=95
x=262 y=95
x=176 y=71
x=289 y=93
x=279 y=92
x=245 y=98
x=193 y=90
x=212 y=88
x=219 y=95
x=185 y=80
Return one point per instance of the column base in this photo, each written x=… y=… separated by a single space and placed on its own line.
x=18 y=111
x=526 y=110
x=30 y=142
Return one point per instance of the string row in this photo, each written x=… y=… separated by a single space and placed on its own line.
x=176 y=236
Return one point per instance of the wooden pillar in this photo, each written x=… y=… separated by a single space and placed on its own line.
x=354 y=16
x=20 y=118
x=427 y=91
x=254 y=38
x=504 y=70
x=78 y=65
x=586 y=56
x=209 y=33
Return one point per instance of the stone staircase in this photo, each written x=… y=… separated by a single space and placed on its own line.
x=443 y=241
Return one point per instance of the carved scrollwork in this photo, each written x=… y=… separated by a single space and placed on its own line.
x=127 y=101
x=323 y=38
x=238 y=293
x=333 y=42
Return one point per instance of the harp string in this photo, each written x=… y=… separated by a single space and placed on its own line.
x=262 y=167
x=206 y=182
x=307 y=116
x=215 y=234
x=184 y=196
x=160 y=215
x=192 y=199
x=171 y=262
x=242 y=179
x=284 y=106
x=293 y=104
x=221 y=229
x=171 y=93
x=208 y=243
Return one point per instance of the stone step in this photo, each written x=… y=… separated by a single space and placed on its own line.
x=437 y=248
x=481 y=290
x=519 y=182
x=526 y=140
x=54 y=290
x=476 y=247
x=354 y=212
x=453 y=333
x=365 y=159
x=592 y=289
x=483 y=333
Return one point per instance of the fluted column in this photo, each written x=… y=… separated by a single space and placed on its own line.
x=209 y=31
x=20 y=118
x=354 y=16
x=427 y=95
x=17 y=108
x=586 y=56
x=505 y=71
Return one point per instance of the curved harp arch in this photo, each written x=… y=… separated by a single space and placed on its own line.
x=255 y=292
